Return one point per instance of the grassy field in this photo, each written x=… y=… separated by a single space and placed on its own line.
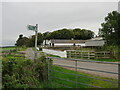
x=57 y=83
x=8 y=48
x=13 y=48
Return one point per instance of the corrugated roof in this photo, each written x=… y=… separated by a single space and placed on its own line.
x=67 y=41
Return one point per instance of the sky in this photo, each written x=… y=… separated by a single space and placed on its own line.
x=51 y=16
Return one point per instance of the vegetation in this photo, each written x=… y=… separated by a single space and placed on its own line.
x=22 y=40
x=69 y=34
x=50 y=55
x=18 y=72
x=57 y=83
x=110 y=30
x=60 y=34
x=29 y=42
x=82 y=34
x=8 y=48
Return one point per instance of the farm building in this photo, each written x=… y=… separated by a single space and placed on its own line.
x=58 y=42
x=98 y=41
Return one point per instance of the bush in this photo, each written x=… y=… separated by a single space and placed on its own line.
x=23 y=73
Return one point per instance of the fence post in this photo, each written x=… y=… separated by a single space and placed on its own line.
x=48 y=68
x=118 y=76
x=76 y=71
x=88 y=55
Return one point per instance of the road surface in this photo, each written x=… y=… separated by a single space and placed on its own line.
x=89 y=65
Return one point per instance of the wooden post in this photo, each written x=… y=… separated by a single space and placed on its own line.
x=118 y=76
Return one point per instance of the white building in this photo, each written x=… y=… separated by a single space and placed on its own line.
x=60 y=42
x=98 y=41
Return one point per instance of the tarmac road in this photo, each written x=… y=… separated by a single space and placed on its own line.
x=89 y=65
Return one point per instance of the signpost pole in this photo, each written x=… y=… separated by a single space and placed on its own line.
x=35 y=57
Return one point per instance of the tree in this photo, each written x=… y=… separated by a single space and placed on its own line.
x=31 y=42
x=61 y=34
x=22 y=40
x=82 y=34
x=45 y=35
x=111 y=28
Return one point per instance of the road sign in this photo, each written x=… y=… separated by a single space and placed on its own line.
x=30 y=27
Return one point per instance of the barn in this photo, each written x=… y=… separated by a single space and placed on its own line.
x=98 y=41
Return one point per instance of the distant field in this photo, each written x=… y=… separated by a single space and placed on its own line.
x=7 y=48
x=12 y=48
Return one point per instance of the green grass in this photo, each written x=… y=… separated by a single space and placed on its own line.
x=8 y=48
x=102 y=59
x=13 y=48
x=22 y=48
x=107 y=60
x=56 y=83
x=50 y=55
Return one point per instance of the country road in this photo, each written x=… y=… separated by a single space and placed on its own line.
x=29 y=53
x=89 y=65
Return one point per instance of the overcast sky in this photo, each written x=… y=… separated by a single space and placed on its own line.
x=51 y=16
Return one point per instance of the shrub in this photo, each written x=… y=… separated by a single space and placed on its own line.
x=23 y=73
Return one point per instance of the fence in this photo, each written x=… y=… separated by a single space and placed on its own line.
x=75 y=82
x=11 y=52
x=88 y=54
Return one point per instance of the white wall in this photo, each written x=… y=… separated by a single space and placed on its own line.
x=68 y=44
x=54 y=52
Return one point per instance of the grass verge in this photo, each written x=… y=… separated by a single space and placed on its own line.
x=57 y=83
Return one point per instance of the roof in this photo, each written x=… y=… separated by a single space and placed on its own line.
x=67 y=41
x=95 y=43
